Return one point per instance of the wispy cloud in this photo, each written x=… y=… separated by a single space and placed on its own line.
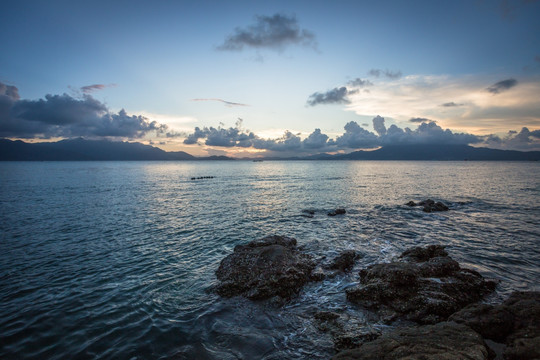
x=385 y=73
x=91 y=88
x=451 y=104
x=227 y=103
x=501 y=86
x=272 y=32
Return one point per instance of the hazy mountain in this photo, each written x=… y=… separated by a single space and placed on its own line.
x=80 y=149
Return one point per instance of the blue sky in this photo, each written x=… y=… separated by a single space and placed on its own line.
x=285 y=68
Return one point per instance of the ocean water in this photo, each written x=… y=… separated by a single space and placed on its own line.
x=117 y=259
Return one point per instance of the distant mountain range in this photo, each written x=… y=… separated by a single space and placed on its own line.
x=81 y=149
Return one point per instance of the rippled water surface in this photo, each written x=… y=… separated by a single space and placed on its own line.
x=117 y=259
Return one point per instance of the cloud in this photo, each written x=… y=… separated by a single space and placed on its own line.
x=360 y=83
x=451 y=104
x=420 y=120
x=227 y=103
x=67 y=116
x=356 y=137
x=273 y=32
x=333 y=96
x=91 y=88
x=9 y=91
x=378 y=125
x=386 y=73
x=501 y=86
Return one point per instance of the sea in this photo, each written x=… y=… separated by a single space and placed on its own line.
x=117 y=260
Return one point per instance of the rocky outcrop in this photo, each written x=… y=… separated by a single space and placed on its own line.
x=429 y=205
x=515 y=322
x=425 y=285
x=344 y=262
x=445 y=340
x=272 y=266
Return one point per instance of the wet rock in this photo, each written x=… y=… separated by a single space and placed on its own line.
x=338 y=211
x=344 y=262
x=347 y=332
x=515 y=322
x=429 y=205
x=308 y=213
x=426 y=286
x=272 y=266
x=430 y=342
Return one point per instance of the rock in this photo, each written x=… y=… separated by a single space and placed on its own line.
x=441 y=341
x=308 y=213
x=272 y=266
x=426 y=286
x=338 y=211
x=429 y=205
x=326 y=315
x=514 y=322
x=344 y=262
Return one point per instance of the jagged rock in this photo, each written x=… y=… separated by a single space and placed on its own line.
x=514 y=322
x=272 y=266
x=426 y=286
x=344 y=262
x=429 y=205
x=430 y=342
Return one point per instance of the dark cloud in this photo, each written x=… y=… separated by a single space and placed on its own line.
x=356 y=137
x=420 y=120
x=360 y=83
x=501 y=86
x=67 y=116
x=227 y=103
x=386 y=73
x=333 y=96
x=451 y=104
x=274 y=32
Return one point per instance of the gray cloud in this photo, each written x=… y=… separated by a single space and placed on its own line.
x=91 y=88
x=67 y=116
x=537 y=59
x=386 y=73
x=378 y=125
x=10 y=91
x=333 y=96
x=273 y=32
x=501 y=86
x=356 y=137
x=451 y=104
x=360 y=83
x=420 y=120
x=227 y=103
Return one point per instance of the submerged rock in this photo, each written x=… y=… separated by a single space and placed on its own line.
x=426 y=286
x=338 y=211
x=429 y=205
x=272 y=266
x=430 y=342
x=515 y=322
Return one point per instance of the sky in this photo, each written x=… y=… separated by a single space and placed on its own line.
x=272 y=78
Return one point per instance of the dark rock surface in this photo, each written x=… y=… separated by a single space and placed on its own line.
x=429 y=205
x=425 y=286
x=446 y=340
x=338 y=211
x=344 y=262
x=515 y=322
x=272 y=266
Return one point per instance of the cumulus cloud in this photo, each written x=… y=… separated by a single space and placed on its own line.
x=385 y=73
x=227 y=103
x=273 y=32
x=333 y=96
x=356 y=137
x=67 y=116
x=501 y=86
